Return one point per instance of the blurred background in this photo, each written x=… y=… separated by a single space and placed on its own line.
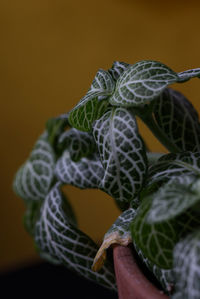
x=50 y=52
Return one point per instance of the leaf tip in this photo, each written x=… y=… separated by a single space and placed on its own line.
x=110 y=239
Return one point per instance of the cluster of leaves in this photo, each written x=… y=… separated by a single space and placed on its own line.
x=98 y=145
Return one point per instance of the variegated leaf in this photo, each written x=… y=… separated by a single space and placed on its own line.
x=157 y=240
x=187 y=75
x=141 y=83
x=117 y=69
x=122 y=153
x=90 y=107
x=178 y=120
x=153 y=157
x=47 y=257
x=102 y=85
x=164 y=276
x=86 y=173
x=187 y=222
x=118 y=233
x=174 y=198
x=55 y=126
x=56 y=235
x=174 y=165
x=103 y=82
x=79 y=144
x=83 y=117
x=187 y=267
x=31 y=216
x=33 y=179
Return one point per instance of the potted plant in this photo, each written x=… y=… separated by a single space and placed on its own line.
x=98 y=145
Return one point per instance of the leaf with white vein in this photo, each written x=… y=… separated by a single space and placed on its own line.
x=174 y=198
x=157 y=240
x=87 y=110
x=164 y=276
x=86 y=173
x=117 y=69
x=187 y=267
x=118 y=233
x=31 y=216
x=57 y=236
x=123 y=154
x=102 y=82
x=55 y=126
x=80 y=144
x=141 y=83
x=153 y=157
x=174 y=165
x=83 y=117
x=178 y=120
x=187 y=75
x=33 y=179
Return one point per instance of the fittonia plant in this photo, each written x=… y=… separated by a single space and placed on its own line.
x=98 y=145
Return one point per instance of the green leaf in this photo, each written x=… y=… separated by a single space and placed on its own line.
x=117 y=69
x=186 y=223
x=82 y=117
x=118 y=233
x=174 y=198
x=55 y=126
x=103 y=82
x=66 y=206
x=174 y=165
x=156 y=241
x=187 y=267
x=122 y=225
x=178 y=120
x=153 y=157
x=86 y=173
x=79 y=144
x=57 y=236
x=91 y=105
x=33 y=179
x=187 y=75
x=47 y=257
x=123 y=154
x=141 y=83
x=31 y=215
x=164 y=276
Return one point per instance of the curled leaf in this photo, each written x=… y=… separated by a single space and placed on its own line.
x=86 y=173
x=117 y=69
x=174 y=198
x=59 y=238
x=174 y=166
x=90 y=107
x=187 y=267
x=156 y=241
x=119 y=233
x=33 y=179
x=187 y=75
x=79 y=144
x=122 y=153
x=142 y=82
x=178 y=120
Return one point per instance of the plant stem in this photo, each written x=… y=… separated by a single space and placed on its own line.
x=149 y=121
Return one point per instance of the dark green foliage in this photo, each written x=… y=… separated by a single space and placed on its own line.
x=98 y=145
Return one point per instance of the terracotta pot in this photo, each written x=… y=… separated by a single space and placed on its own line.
x=131 y=282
